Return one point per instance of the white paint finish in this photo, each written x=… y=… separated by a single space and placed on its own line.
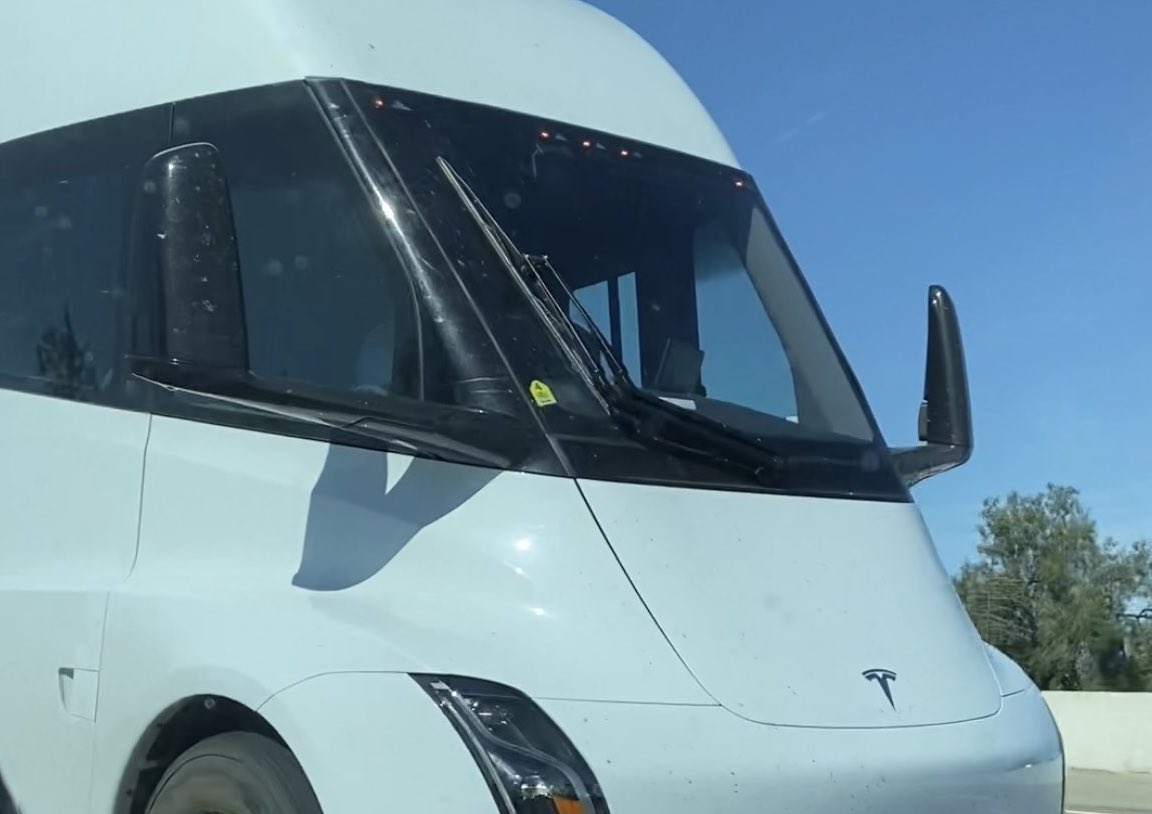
x=778 y=604
x=553 y=58
x=499 y=575
x=1110 y=732
x=78 y=691
x=397 y=750
x=503 y=576
x=304 y=580
x=1009 y=675
x=693 y=760
x=69 y=495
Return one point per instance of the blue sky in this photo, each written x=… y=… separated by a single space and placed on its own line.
x=1001 y=148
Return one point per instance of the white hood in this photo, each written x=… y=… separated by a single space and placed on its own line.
x=797 y=611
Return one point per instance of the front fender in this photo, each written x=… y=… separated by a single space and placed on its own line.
x=377 y=742
x=136 y=694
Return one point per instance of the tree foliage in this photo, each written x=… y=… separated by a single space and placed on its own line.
x=1051 y=594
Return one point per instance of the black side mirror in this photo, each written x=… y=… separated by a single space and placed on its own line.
x=193 y=315
x=946 y=413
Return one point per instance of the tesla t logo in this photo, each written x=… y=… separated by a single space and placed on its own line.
x=884 y=678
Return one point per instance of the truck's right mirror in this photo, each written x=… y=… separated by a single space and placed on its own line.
x=945 y=421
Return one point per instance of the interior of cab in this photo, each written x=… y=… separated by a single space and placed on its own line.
x=657 y=266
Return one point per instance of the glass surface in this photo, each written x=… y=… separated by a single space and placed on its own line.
x=675 y=258
x=680 y=266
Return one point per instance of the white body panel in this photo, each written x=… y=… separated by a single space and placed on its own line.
x=267 y=560
x=552 y=58
x=396 y=749
x=703 y=650
x=304 y=581
x=273 y=569
x=70 y=501
x=675 y=759
x=779 y=604
x=685 y=761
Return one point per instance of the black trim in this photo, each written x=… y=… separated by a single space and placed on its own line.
x=415 y=131
x=470 y=371
x=496 y=341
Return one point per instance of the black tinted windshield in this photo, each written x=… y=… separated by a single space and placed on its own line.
x=675 y=258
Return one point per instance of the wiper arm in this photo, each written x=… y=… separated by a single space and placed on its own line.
x=647 y=416
x=644 y=416
x=397 y=434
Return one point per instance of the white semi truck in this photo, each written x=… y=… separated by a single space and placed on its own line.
x=413 y=407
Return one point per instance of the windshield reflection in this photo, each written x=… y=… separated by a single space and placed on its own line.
x=675 y=259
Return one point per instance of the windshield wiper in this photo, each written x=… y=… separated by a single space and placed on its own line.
x=649 y=417
x=646 y=417
x=404 y=435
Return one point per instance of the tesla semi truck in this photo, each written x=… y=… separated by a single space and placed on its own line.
x=414 y=407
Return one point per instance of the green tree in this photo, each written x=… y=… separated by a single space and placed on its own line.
x=1051 y=594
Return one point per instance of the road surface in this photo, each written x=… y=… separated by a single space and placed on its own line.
x=1104 y=793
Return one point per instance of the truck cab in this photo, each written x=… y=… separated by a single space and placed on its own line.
x=416 y=405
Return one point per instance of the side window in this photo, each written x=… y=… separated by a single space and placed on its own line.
x=624 y=333
x=327 y=300
x=730 y=315
x=65 y=202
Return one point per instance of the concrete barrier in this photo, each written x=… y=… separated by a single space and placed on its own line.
x=1105 y=731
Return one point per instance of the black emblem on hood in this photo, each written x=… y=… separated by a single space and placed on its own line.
x=884 y=678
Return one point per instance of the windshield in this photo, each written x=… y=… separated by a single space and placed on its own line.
x=675 y=258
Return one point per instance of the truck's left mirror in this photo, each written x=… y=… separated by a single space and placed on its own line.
x=193 y=263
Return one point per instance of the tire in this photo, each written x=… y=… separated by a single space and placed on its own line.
x=234 y=773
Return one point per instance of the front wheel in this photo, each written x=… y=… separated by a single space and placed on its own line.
x=234 y=773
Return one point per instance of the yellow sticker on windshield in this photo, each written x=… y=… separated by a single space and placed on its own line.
x=541 y=393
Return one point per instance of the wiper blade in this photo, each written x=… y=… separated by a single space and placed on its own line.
x=397 y=435
x=647 y=416
x=642 y=415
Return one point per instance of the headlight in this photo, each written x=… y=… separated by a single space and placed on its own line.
x=530 y=765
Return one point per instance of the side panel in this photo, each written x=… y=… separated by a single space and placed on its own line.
x=265 y=560
x=71 y=468
x=70 y=499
